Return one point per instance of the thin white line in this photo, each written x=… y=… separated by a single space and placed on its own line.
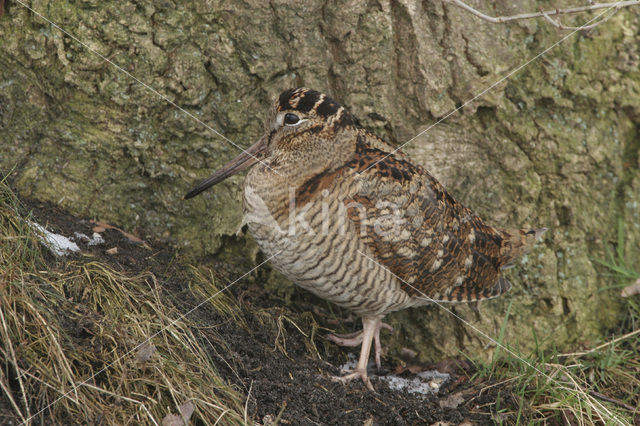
x=489 y=88
x=482 y=333
x=143 y=83
x=541 y=14
x=152 y=336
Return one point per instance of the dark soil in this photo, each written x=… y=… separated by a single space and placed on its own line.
x=276 y=367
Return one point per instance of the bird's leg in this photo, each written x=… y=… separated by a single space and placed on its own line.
x=355 y=339
x=370 y=331
x=377 y=346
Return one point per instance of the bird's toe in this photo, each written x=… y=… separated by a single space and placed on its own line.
x=355 y=374
x=351 y=339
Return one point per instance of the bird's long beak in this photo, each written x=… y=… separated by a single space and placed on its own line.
x=243 y=161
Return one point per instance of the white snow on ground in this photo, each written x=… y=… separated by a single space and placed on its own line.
x=61 y=245
x=424 y=383
x=58 y=244
x=93 y=241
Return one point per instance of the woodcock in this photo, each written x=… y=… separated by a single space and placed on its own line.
x=354 y=221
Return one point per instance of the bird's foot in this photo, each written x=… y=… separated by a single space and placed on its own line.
x=351 y=339
x=355 y=374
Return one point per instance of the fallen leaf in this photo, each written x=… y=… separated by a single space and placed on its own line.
x=186 y=411
x=400 y=368
x=452 y=401
x=451 y=366
x=145 y=351
x=631 y=290
x=411 y=363
x=113 y=250
x=411 y=368
x=172 y=420
x=368 y=422
x=101 y=227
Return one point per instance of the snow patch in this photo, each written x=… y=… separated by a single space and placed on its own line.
x=58 y=244
x=95 y=239
x=424 y=382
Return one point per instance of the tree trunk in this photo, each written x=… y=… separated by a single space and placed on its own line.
x=555 y=144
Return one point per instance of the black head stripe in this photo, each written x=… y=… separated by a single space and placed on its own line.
x=308 y=100
x=304 y=100
x=285 y=98
x=299 y=99
x=327 y=107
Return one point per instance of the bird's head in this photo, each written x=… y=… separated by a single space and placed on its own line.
x=299 y=125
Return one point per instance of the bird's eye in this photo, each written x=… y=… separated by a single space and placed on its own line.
x=291 y=119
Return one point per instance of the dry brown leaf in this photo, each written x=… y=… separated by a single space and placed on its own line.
x=452 y=366
x=145 y=351
x=172 y=420
x=101 y=227
x=631 y=290
x=186 y=411
x=411 y=368
x=452 y=401
x=113 y=250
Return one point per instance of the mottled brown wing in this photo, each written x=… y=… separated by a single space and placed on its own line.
x=436 y=246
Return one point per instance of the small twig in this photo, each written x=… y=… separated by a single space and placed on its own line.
x=584 y=27
x=494 y=385
x=548 y=13
x=597 y=348
x=613 y=400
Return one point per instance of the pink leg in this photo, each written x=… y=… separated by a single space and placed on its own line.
x=370 y=332
x=377 y=346
x=355 y=339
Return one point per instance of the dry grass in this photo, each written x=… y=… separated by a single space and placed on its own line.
x=600 y=385
x=81 y=341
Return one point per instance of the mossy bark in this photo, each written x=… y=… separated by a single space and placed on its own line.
x=555 y=144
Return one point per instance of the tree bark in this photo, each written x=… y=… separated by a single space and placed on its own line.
x=556 y=144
